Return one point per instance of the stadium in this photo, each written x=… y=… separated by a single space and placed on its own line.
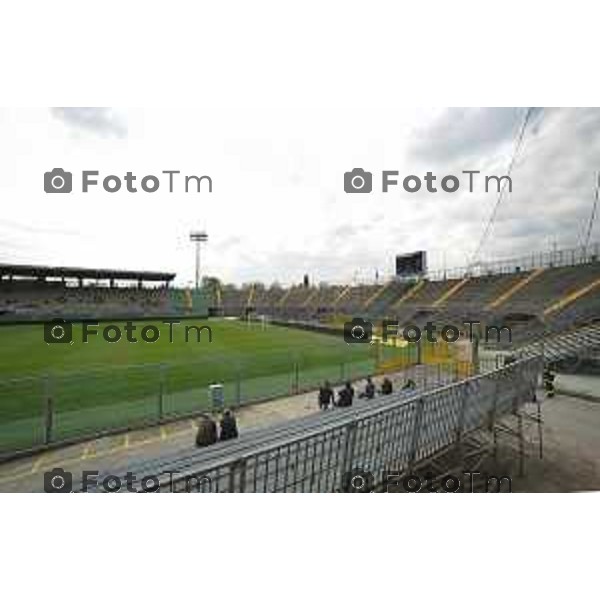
x=111 y=370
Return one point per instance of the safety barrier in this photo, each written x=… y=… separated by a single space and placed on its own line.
x=569 y=257
x=393 y=432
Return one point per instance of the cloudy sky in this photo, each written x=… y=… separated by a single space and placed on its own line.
x=278 y=208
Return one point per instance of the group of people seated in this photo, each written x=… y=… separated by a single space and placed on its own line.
x=346 y=394
x=207 y=433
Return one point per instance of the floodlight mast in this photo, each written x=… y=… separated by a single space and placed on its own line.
x=198 y=237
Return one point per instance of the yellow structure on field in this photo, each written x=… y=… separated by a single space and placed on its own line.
x=396 y=353
x=455 y=356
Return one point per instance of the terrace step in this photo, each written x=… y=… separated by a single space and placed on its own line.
x=342 y=294
x=572 y=297
x=519 y=285
x=449 y=293
x=377 y=294
x=413 y=290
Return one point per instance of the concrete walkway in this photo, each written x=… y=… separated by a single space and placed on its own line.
x=584 y=386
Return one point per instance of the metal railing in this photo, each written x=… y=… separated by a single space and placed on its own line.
x=565 y=257
x=569 y=257
x=569 y=345
x=396 y=432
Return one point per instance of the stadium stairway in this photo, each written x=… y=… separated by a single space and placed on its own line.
x=428 y=294
x=451 y=291
x=408 y=294
x=293 y=303
x=565 y=346
x=386 y=298
x=572 y=297
x=379 y=292
x=312 y=299
x=551 y=285
x=479 y=291
x=354 y=301
x=327 y=298
x=341 y=296
x=517 y=285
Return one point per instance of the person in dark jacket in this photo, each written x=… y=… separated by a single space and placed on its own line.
x=369 y=392
x=325 y=396
x=346 y=395
x=549 y=377
x=386 y=386
x=207 y=431
x=229 y=430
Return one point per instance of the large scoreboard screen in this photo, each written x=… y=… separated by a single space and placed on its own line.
x=411 y=265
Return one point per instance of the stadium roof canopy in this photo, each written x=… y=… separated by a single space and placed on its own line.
x=42 y=272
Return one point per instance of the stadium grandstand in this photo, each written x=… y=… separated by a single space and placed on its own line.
x=550 y=302
x=533 y=295
x=37 y=293
x=267 y=352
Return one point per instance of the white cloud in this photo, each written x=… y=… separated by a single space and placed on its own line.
x=278 y=208
x=103 y=121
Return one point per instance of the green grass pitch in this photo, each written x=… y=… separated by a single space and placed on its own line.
x=100 y=386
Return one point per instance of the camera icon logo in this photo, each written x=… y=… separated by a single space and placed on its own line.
x=58 y=481
x=358 y=181
x=357 y=481
x=358 y=331
x=58 y=181
x=58 y=331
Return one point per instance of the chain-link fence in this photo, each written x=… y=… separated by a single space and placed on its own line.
x=37 y=411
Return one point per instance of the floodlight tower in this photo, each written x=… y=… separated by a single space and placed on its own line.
x=198 y=237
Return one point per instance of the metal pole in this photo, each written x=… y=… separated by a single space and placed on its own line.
x=238 y=387
x=296 y=378
x=347 y=457
x=49 y=411
x=540 y=428
x=521 y=445
x=161 y=391
x=197 y=264
x=419 y=405
x=198 y=237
